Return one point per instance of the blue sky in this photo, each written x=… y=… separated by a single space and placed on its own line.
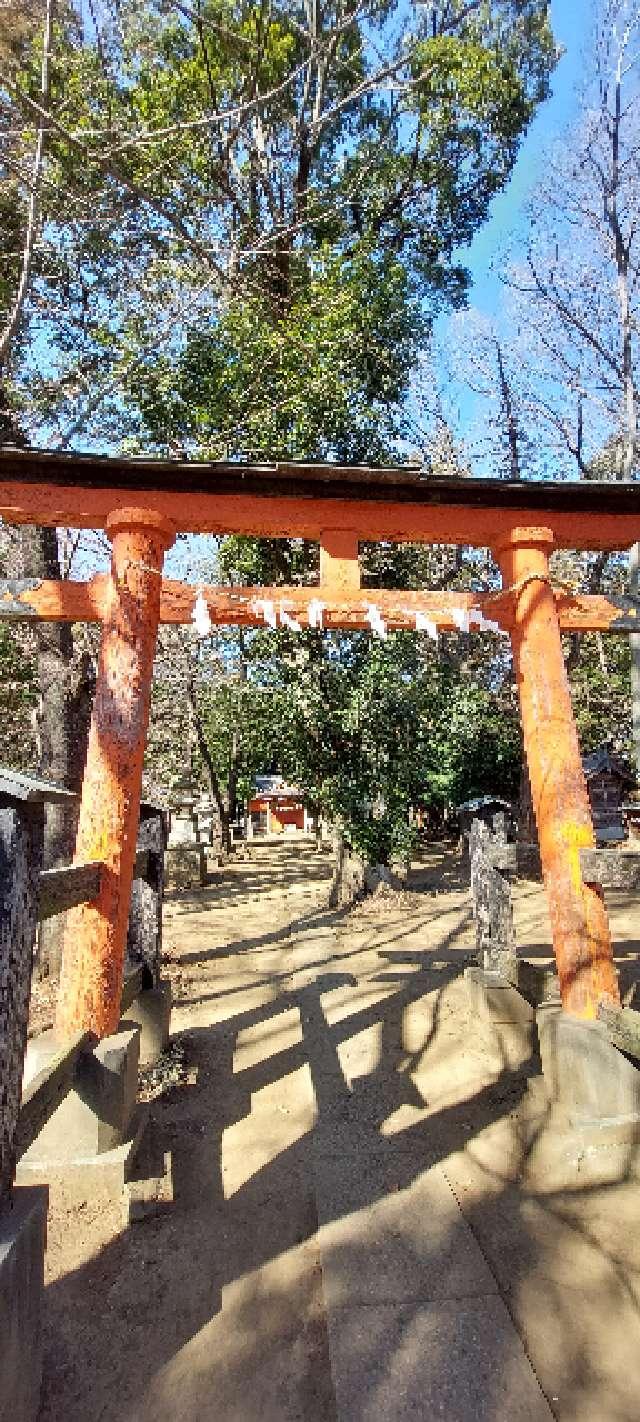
x=570 y=19
x=509 y=219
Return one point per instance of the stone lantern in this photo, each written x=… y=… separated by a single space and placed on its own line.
x=186 y=855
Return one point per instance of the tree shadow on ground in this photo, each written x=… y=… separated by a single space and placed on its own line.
x=139 y=1333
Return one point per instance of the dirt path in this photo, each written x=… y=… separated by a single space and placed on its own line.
x=348 y=1174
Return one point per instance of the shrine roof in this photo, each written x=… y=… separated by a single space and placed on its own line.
x=281 y=478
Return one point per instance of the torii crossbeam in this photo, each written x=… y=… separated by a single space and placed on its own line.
x=142 y=504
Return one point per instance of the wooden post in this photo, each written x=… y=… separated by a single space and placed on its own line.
x=93 y=958
x=581 y=938
x=634 y=643
x=339 y=567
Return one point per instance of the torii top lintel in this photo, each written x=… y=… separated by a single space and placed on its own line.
x=280 y=500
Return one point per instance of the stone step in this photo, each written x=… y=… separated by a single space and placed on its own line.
x=416 y=1324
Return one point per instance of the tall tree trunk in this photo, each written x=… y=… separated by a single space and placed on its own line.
x=61 y=719
x=627 y=445
x=510 y=420
x=634 y=639
x=210 y=771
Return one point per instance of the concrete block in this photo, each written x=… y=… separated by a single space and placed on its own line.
x=586 y=1074
x=96 y=1115
x=512 y=1044
x=88 y=1177
x=507 y=1015
x=391 y=1231
x=151 y=1013
x=23 y=1233
x=185 y=866
x=456 y=1359
x=496 y=1000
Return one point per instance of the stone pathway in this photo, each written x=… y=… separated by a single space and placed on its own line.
x=359 y=1233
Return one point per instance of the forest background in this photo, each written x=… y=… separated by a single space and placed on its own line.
x=243 y=230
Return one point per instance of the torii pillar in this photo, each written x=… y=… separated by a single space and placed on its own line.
x=580 y=928
x=95 y=935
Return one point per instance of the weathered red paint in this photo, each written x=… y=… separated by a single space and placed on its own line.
x=133 y=600
x=581 y=937
x=339 y=566
x=293 y=516
x=91 y=980
x=345 y=603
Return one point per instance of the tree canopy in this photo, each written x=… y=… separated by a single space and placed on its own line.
x=233 y=227
x=249 y=177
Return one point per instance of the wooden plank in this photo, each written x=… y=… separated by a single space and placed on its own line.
x=589 y=612
x=132 y=987
x=521 y=859
x=31 y=599
x=283 y=507
x=611 y=868
x=45 y=1092
x=286 y=478
x=31 y=790
x=623 y=1027
x=62 y=889
x=344 y=604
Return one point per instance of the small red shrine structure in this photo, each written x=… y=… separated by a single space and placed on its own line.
x=276 y=807
x=142 y=505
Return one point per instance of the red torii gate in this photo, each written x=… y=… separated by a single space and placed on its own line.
x=142 y=504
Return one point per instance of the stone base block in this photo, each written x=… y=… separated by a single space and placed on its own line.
x=151 y=1013
x=23 y=1233
x=95 y=1116
x=495 y=999
x=87 y=1177
x=597 y=1085
x=185 y=866
x=555 y=1154
x=506 y=1014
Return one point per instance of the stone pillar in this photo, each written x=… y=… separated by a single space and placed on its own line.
x=95 y=937
x=581 y=938
x=186 y=855
x=144 y=932
x=492 y=906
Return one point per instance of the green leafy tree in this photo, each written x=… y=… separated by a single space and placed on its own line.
x=232 y=169
x=18 y=695
x=246 y=218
